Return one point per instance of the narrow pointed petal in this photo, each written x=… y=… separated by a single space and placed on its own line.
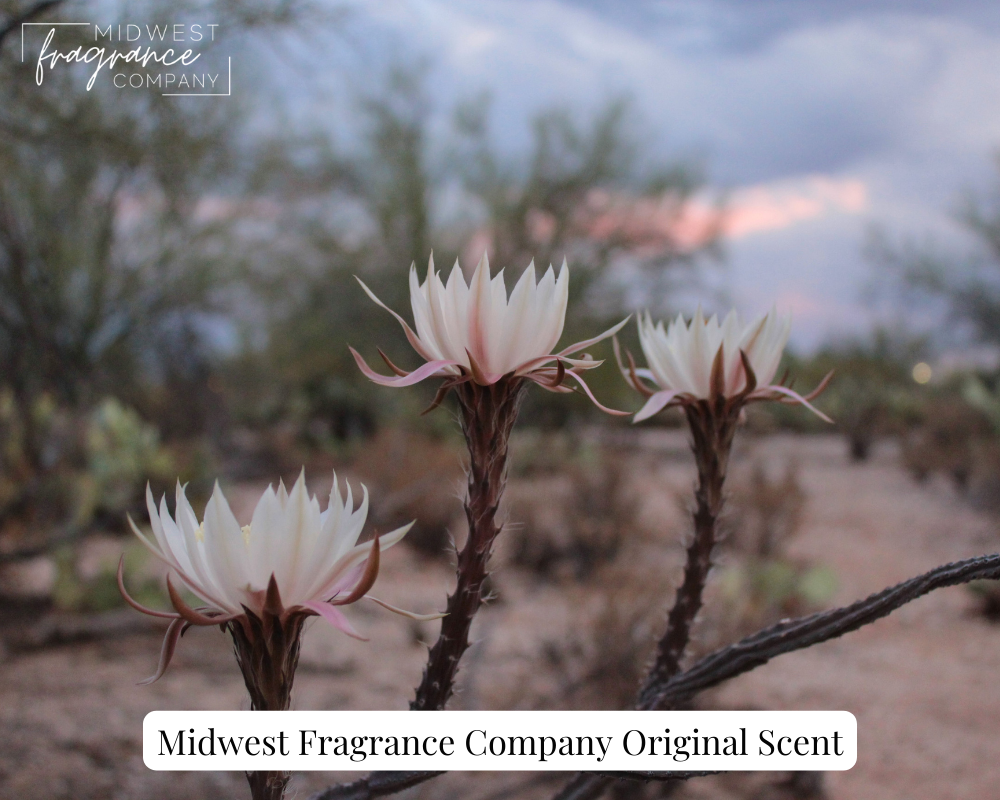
x=400 y=372
x=335 y=617
x=821 y=387
x=594 y=400
x=428 y=370
x=480 y=302
x=367 y=578
x=189 y=614
x=798 y=399
x=413 y=339
x=749 y=376
x=177 y=627
x=717 y=378
x=655 y=405
x=136 y=605
x=407 y=614
x=576 y=348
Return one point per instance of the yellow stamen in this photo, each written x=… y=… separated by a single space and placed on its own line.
x=200 y=533
x=246 y=534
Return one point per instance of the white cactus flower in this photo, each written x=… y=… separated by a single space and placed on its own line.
x=291 y=560
x=473 y=332
x=700 y=359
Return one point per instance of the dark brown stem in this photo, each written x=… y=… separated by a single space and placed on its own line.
x=796 y=634
x=488 y=414
x=377 y=784
x=662 y=777
x=267 y=650
x=729 y=662
x=712 y=425
x=591 y=785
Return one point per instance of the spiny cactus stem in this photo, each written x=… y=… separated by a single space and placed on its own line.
x=487 y=414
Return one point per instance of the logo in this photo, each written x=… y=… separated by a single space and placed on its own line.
x=163 y=57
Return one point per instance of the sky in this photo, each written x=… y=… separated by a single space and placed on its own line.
x=819 y=119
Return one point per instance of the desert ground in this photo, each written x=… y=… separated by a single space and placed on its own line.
x=922 y=682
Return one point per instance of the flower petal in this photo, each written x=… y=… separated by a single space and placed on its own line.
x=335 y=617
x=796 y=398
x=410 y=335
x=404 y=613
x=594 y=400
x=428 y=370
x=177 y=627
x=576 y=348
x=655 y=405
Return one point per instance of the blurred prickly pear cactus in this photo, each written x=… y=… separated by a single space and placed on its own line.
x=123 y=452
x=978 y=395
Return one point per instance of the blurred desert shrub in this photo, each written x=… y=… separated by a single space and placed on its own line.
x=120 y=244
x=765 y=512
x=757 y=582
x=34 y=500
x=958 y=290
x=616 y=620
x=872 y=395
x=949 y=439
x=413 y=476
x=571 y=506
x=86 y=577
x=574 y=519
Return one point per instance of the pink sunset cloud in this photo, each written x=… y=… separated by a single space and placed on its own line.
x=658 y=224
x=774 y=207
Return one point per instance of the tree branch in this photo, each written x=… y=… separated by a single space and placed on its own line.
x=26 y=16
x=723 y=664
x=796 y=634
x=654 y=776
x=376 y=784
x=785 y=637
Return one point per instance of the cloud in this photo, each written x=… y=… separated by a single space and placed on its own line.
x=820 y=117
x=663 y=223
x=772 y=207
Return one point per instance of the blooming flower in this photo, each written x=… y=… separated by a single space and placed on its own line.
x=292 y=560
x=704 y=359
x=473 y=332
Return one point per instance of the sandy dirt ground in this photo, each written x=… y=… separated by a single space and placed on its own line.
x=922 y=683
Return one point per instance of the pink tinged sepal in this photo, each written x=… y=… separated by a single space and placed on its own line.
x=335 y=617
x=428 y=370
x=367 y=579
x=177 y=627
x=576 y=348
x=655 y=404
x=404 y=613
x=632 y=373
x=796 y=398
x=195 y=616
x=544 y=362
x=594 y=400
x=345 y=582
x=135 y=604
x=410 y=335
x=479 y=375
x=398 y=371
